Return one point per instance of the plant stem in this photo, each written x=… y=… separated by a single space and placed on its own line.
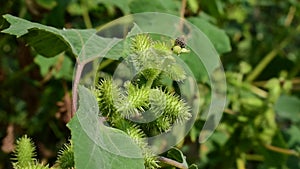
x=261 y=93
x=290 y=16
x=151 y=79
x=85 y=15
x=149 y=83
x=105 y=63
x=266 y=60
x=254 y=157
x=182 y=11
x=172 y=162
x=75 y=87
x=282 y=150
x=240 y=163
x=229 y=111
x=270 y=56
x=295 y=70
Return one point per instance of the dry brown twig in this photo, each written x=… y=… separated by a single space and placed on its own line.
x=8 y=141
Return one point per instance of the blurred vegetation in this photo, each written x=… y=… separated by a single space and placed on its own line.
x=260 y=128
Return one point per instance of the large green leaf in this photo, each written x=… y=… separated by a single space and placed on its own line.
x=217 y=36
x=288 y=107
x=45 y=42
x=99 y=146
x=49 y=41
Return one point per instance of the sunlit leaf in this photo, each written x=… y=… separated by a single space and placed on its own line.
x=99 y=146
x=49 y=41
x=216 y=35
x=288 y=107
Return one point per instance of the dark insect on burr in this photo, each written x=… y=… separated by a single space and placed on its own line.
x=180 y=46
x=180 y=41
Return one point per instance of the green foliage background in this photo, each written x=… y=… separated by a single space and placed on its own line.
x=258 y=42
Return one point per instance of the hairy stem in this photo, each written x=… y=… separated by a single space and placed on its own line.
x=172 y=162
x=150 y=82
x=75 y=87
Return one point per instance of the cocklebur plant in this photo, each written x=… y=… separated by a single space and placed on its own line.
x=24 y=153
x=157 y=66
x=65 y=158
x=144 y=106
x=25 y=156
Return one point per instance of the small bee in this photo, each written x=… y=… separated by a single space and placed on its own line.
x=180 y=46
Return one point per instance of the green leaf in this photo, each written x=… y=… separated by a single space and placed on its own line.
x=293 y=135
x=61 y=65
x=47 y=4
x=43 y=42
x=288 y=107
x=217 y=36
x=122 y=48
x=122 y=4
x=99 y=146
x=164 y=6
x=193 y=5
x=196 y=66
x=74 y=9
x=49 y=41
x=214 y=7
x=45 y=63
x=177 y=155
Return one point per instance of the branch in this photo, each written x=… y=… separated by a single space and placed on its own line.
x=75 y=87
x=172 y=162
x=282 y=150
x=182 y=11
x=85 y=15
x=254 y=157
x=266 y=60
x=270 y=56
x=290 y=16
x=240 y=163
